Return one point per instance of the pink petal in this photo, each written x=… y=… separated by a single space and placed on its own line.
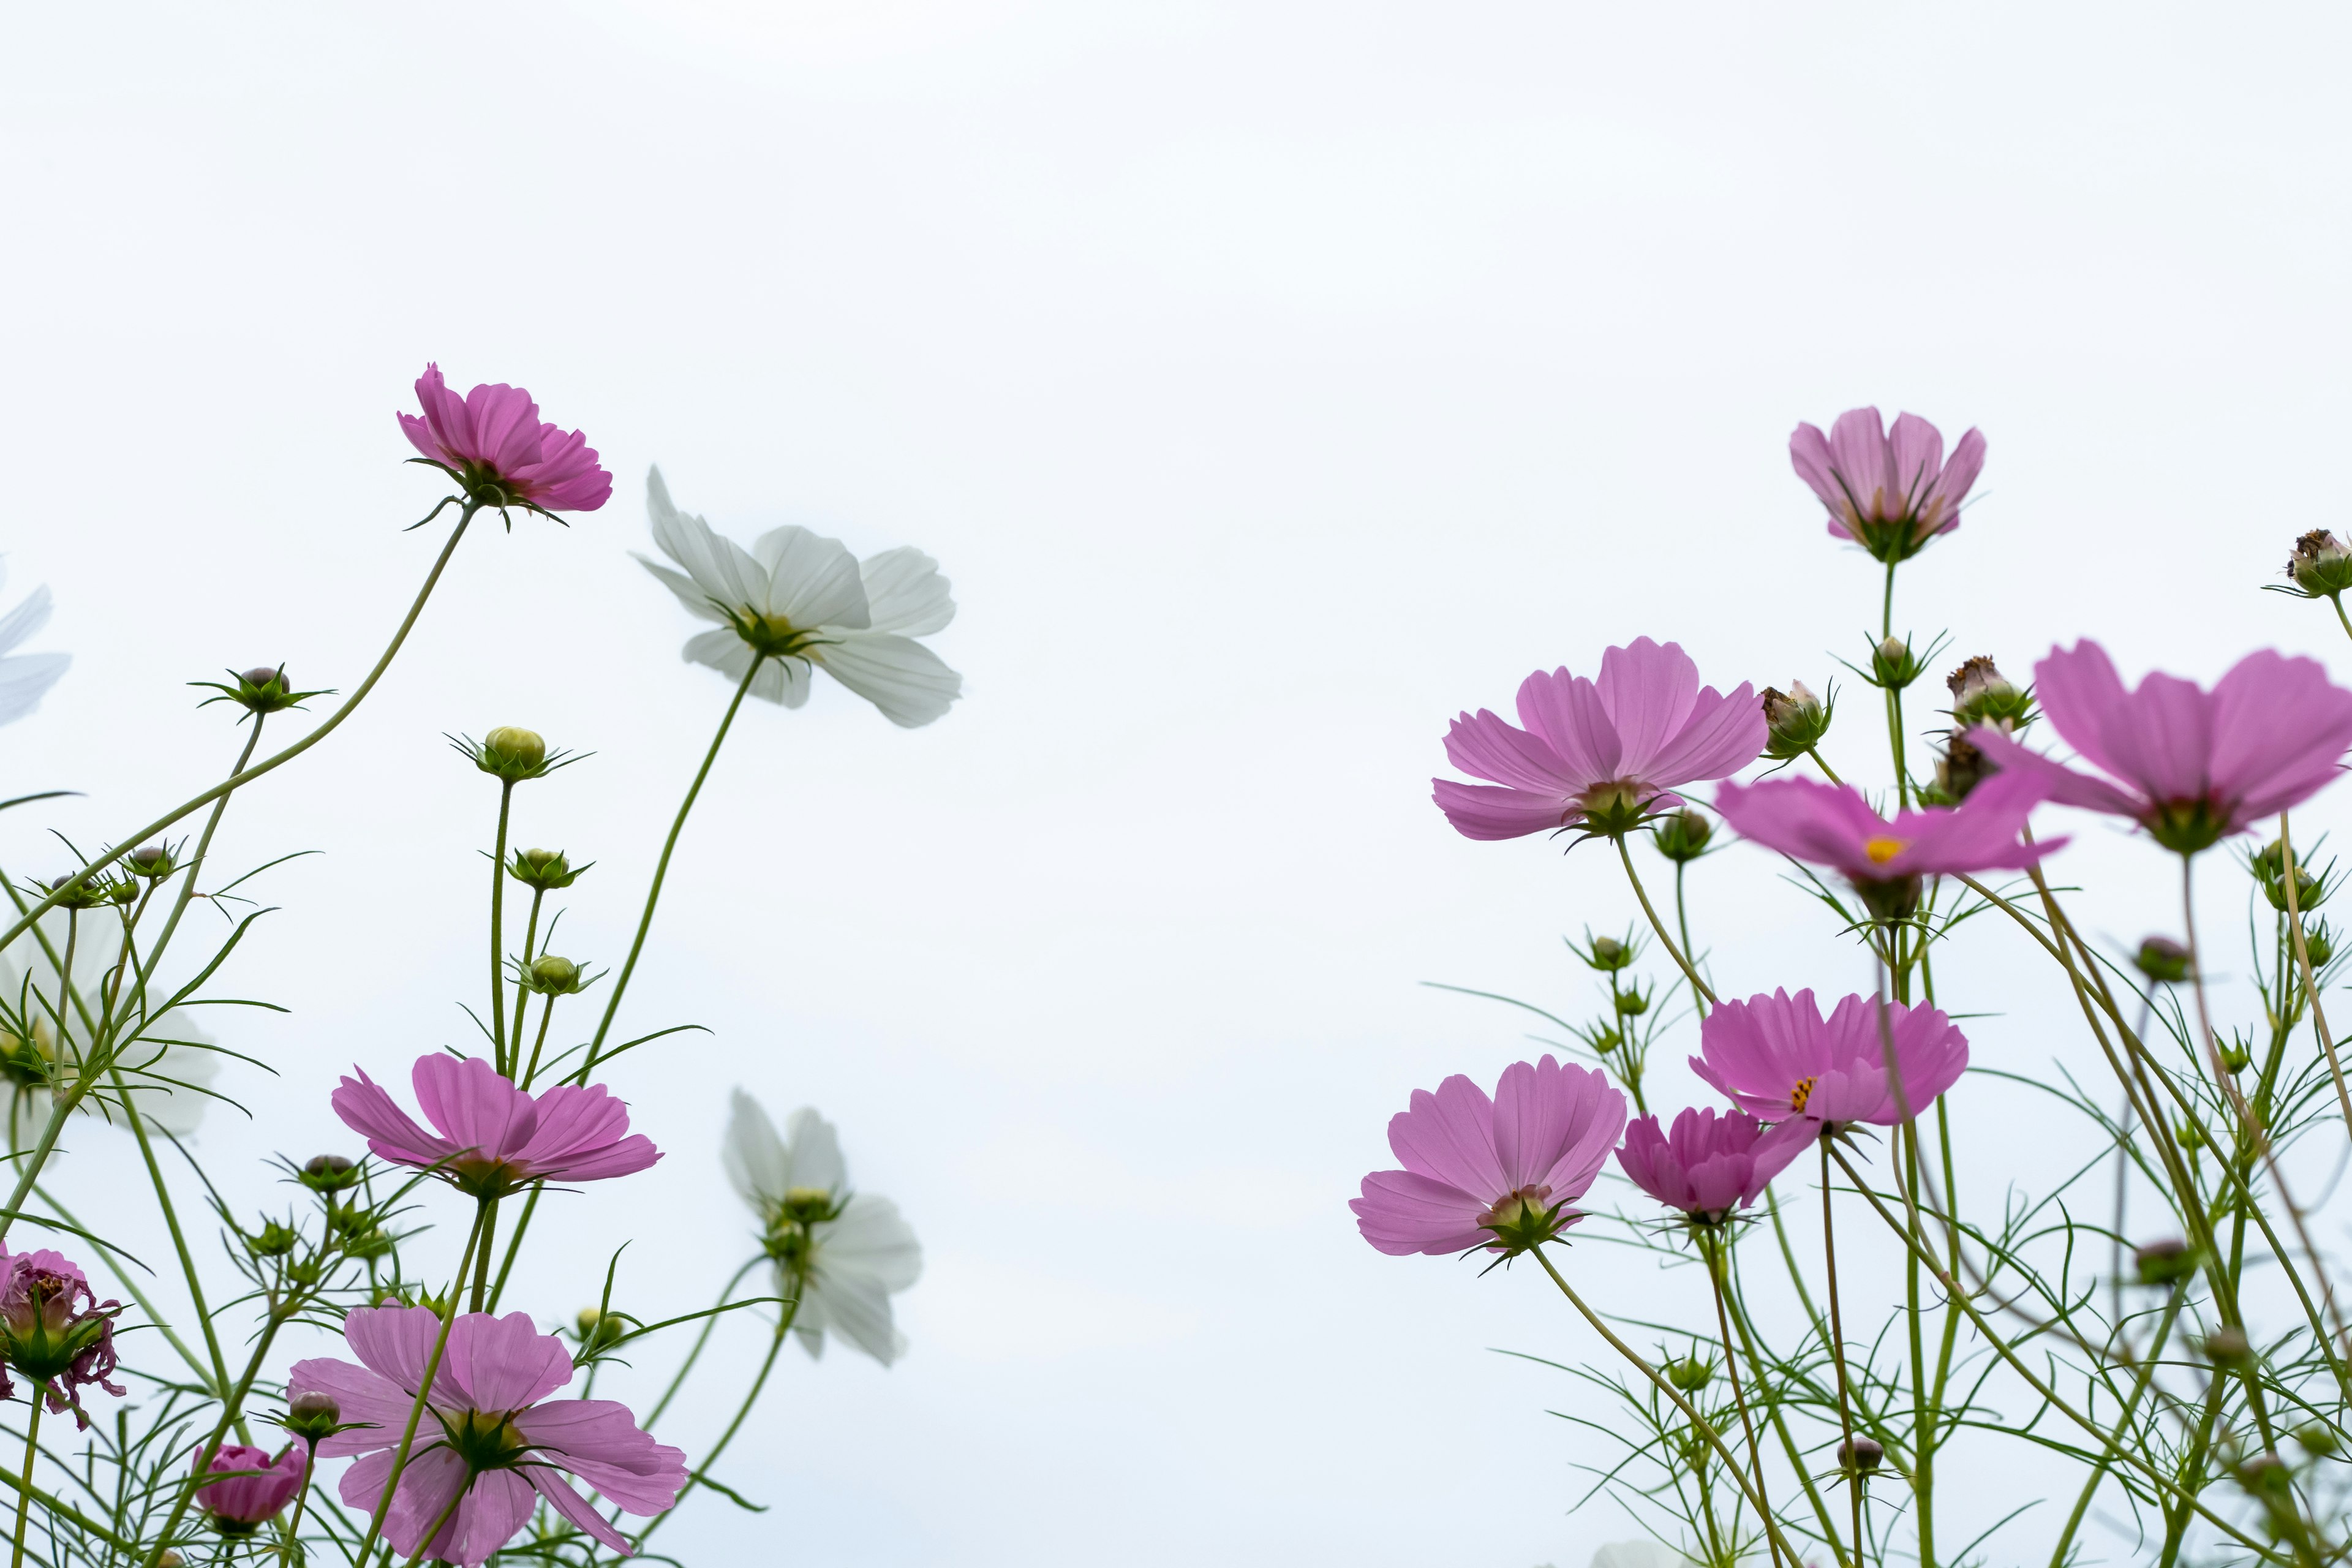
x=1485 y=746
x=599 y=1441
x=1402 y=1213
x=504 y=1363
x=1565 y=711
x=575 y=1508
x=367 y=1109
x=476 y=1109
x=1449 y=1135
x=1647 y=690
x=1485 y=812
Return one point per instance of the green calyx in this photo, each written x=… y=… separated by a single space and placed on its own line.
x=773 y=636
x=1522 y=1220
x=544 y=870
x=263 y=689
x=1613 y=809
x=1795 y=720
x=485 y=1439
x=2185 y=827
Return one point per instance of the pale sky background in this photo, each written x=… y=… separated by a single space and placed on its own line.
x=1272 y=380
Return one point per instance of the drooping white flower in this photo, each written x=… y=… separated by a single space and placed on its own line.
x=853 y=1248
x=167 y=1070
x=26 y=677
x=797 y=600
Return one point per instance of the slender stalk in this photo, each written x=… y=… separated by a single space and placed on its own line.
x=482 y=1253
x=1821 y=763
x=497 y=934
x=1837 y=1351
x=1698 y=988
x=1780 y=1425
x=700 y=1339
x=1712 y=1246
x=1886 y=605
x=32 y=1452
x=2342 y=619
x=514 y=1242
x=661 y=871
x=1699 y=1424
x=742 y=1412
x=522 y=989
x=129 y=841
x=2123 y=1423
x=290 y=1544
x=194 y=868
x=2303 y=959
x=546 y=1013
x=439 y=1525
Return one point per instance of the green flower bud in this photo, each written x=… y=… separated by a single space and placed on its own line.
x=275 y=1240
x=512 y=752
x=2229 y=1347
x=551 y=975
x=150 y=860
x=2236 y=1055
x=1605 y=1040
x=2269 y=868
x=95 y=893
x=2268 y=1476
x=1894 y=666
x=171 y=1559
x=1795 y=720
x=545 y=870
x=600 y=1331
x=1631 y=1004
x=2166 y=1262
x=1690 y=1375
x=1607 y=954
x=2192 y=1135
x=329 y=1174
x=2319 y=565
x=312 y=1415
x=2319 y=944
x=1682 y=836
x=2316 y=1440
x=262 y=690
x=371 y=1243
x=2162 y=960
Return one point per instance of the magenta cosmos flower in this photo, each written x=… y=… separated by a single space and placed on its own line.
x=1498 y=1173
x=244 y=1502
x=1890 y=491
x=490 y=1443
x=1711 y=1163
x=1832 y=826
x=55 y=1331
x=2191 y=766
x=493 y=442
x=1601 y=754
x=1777 y=1058
x=493 y=1137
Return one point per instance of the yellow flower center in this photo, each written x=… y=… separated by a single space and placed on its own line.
x=1803 y=1092
x=1883 y=849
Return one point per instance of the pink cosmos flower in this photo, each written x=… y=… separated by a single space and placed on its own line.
x=1710 y=1165
x=1890 y=491
x=1600 y=753
x=1498 y=1173
x=2191 y=766
x=1776 y=1056
x=493 y=1137
x=493 y=443
x=1832 y=826
x=55 y=1329
x=238 y=1504
x=490 y=1441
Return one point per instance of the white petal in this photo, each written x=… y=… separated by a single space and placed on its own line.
x=873 y=1241
x=858 y=1308
x=26 y=679
x=905 y=593
x=779 y=680
x=25 y=619
x=690 y=593
x=753 y=1154
x=908 y=681
x=816 y=1152
x=813 y=581
x=715 y=563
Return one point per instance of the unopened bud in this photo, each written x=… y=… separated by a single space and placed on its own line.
x=600 y=1330
x=2229 y=1347
x=2319 y=564
x=1981 y=694
x=1893 y=666
x=2162 y=960
x=509 y=752
x=2319 y=944
x=1690 y=1374
x=273 y=1240
x=551 y=975
x=1682 y=835
x=312 y=1415
x=2317 y=1440
x=329 y=1172
x=2236 y=1055
x=2166 y=1262
x=1862 y=1454
x=2268 y=867
x=1607 y=953
x=2268 y=1476
x=1606 y=1040
x=150 y=860
x=545 y=870
x=171 y=1559
x=1795 y=720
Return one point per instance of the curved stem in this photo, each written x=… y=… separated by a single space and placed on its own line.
x=2344 y=620
x=1837 y=1350
x=522 y=990
x=2123 y=1422
x=498 y=935
x=661 y=871
x=1821 y=763
x=514 y=1242
x=129 y=841
x=424 y=1393
x=742 y=1412
x=700 y=1340
x=1713 y=1246
x=2303 y=962
x=1699 y=1424
x=1699 y=987
x=32 y=1452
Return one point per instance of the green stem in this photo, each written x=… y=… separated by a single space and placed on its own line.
x=1822 y=763
x=1778 y=1422
x=129 y=841
x=2344 y=620
x=1698 y=986
x=424 y=1393
x=1713 y=1248
x=2131 y=1408
x=522 y=989
x=482 y=1253
x=546 y=1013
x=290 y=1535
x=497 y=934
x=2303 y=962
x=661 y=871
x=700 y=1339
x=1851 y=1460
x=742 y=1412
x=32 y=1452
x=514 y=1242
x=194 y=868
x=1886 y=605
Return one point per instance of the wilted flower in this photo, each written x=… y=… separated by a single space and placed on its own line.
x=493 y=443
x=492 y=1442
x=1959 y=768
x=1982 y=695
x=55 y=1329
x=494 y=1138
x=1500 y=1173
x=1777 y=1058
x=1601 y=754
x=1711 y=1164
x=843 y=1254
x=796 y=600
x=1832 y=825
x=25 y=678
x=244 y=1502
x=2319 y=565
x=1796 y=720
x=2193 y=767
x=1890 y=491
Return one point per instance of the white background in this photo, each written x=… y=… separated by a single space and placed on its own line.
x=1273 y=381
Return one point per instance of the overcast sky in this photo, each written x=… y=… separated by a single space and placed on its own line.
x=1272 y=380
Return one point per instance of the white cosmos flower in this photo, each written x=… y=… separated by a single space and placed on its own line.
x=24 y=677
x=796 y=600
x=858 y=1250
x=167 y=1069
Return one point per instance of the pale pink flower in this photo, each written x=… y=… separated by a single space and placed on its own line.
x=1890 y=491
x=491 y=1441
x=1777 y=1058
x=1498 y=1173
x=493 y=442
x=55 y=1329
x=1710 y=1165
x=494 y=1138
x=1601 y=755
x=2191 y=766
x=268 y=1485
